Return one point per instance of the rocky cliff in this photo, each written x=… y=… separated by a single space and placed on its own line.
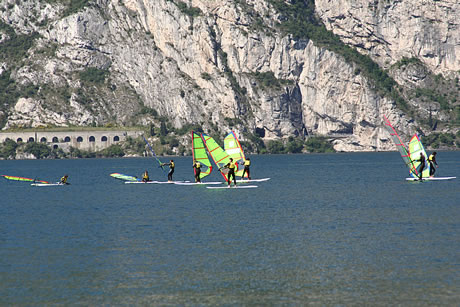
x=229 y=65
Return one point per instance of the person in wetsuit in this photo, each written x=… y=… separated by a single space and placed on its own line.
x=246 y=165
x=231 y=172
x=432 y=162
x=64 y=179
x=145 y=176
x=171 y=169
x=421 y=167
x=197 y=169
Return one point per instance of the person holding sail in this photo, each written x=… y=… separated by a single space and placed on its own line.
x=231 y=172
x=246 y=164
x=197 y=169
x=421 y=167
x=171 y=169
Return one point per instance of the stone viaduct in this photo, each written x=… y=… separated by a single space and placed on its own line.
x=85 y=140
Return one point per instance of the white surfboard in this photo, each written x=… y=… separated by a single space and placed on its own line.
x=252 y=180
x=234 y=187
x=430 y=178
x=157 y=182
x=199 y=183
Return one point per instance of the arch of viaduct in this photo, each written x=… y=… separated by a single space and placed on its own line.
x=85 y=140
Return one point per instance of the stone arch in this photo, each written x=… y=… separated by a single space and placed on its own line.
x=116 y=138
x=104 y=139
x=92 y=139
x=55 y=146
x=7 y=139
x=19 y=140
x=55 y=139
x=67 y=139
x=79 y=139
x=43 y=140
x=30 y=140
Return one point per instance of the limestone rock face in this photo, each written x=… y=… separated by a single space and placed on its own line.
x=390 y=30
x=204 y=66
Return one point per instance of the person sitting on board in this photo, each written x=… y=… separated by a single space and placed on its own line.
x=432 y=162
x=421 y=167
x=145 y=176
x=246 y=165
x=197 y=169
x=171 y=169
x=64 y=179
x=231 y=172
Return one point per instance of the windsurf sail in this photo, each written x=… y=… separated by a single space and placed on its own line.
x=16 y=178
x=218 y=154
x=124 y=177
x=233 y=147
x=400 y=146
x=200 y=155
x=415 y=149
x=153 y=152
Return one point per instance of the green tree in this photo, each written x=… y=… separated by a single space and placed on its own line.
x=275 y=147
x=39 y=150
x=8 y=149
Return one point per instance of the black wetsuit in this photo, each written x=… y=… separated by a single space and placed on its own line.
x=246 y=164
x=197 y=167
x=231 y=172
x=171 y=170
x=432 y=161
x=421 y=167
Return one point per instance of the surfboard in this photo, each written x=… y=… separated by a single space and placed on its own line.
x=156 y=182
x=48 y=184
x=233 y=187
x=430 y=178
x=199 y=183
x=252 y=180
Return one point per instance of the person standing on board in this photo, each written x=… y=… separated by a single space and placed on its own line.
x=246 y=164
x=421 y=167
x=171 y=169
x=432 y=162
x=64 y=179
x=197 y=169
x=145 y=176
x=231 y=172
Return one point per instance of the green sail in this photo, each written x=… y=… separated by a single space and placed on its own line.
x=415 y=149
x=220 y=157
x=124 y=177
x=233 y=147
x=200 y=155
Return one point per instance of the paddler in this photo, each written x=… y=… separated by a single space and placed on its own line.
x=231 y=172
x=246 y=164
x=145 y=176
x=432 y=162
x=64 y=179
x=421 y=166
x=171 y=169
x=197 y=169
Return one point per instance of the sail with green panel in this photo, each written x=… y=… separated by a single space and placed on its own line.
x=415 y=149
x=200 y=155
x=218 y=154
x=233 y=147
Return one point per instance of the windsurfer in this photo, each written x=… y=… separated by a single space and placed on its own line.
x=171 y=169
x=64 y=179
x=145 y=176
x=197 y=169
x=421 y=167
x=432 y=162
x=231 y=172
x=246 y=165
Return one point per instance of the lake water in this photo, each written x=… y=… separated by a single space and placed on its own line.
x=327 y=229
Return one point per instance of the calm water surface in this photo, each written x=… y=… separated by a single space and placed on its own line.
x=326 y=229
